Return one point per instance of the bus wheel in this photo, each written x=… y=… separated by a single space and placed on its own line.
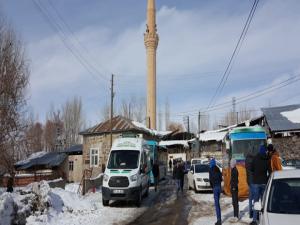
x=105 y=202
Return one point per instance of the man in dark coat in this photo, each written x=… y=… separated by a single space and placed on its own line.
x=248 y=162
x=261 y=170
x=215 y=179
x=10 y=183
x=179 y=176
x=155 y=172
x=234 y=181
x=170 y=165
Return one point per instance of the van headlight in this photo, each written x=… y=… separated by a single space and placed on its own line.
x=105 y=178
x=133 y=178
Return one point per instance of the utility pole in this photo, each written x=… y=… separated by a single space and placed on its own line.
x=199 y=131
x=188 y=123
x=111 y=107
x=237 y=117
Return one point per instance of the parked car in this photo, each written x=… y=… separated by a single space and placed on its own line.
x=198 y=177
x=295 y=163
x=281 y=201
x=286 y=165
x=199 y=161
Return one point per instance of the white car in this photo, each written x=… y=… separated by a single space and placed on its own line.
x=198 y=177
x=281 y=201
x=199 y=161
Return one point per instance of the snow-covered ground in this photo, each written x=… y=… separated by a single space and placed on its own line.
x=39 y=204
x=203 y=211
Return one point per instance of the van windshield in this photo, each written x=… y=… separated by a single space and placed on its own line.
x=123 y=159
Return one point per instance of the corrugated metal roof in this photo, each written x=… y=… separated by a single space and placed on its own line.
x=47 y=160
x=75 y=149
x=277 y=122
x=119 y=124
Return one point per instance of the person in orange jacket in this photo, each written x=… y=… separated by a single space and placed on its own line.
x=274 y=158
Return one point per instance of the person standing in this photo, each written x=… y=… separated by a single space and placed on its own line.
x=275 y=161
x=10 y=184
x=179 y=176
x=155 y=172
x=234 y=181
x=261 y=170
x=248 y=162
x=170 y=165
x=215 y=179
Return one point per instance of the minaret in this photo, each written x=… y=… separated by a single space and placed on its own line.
x=151 y=42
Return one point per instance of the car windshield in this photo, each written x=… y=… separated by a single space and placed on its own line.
x=123 y=159
x=240 y=148
x=202 y=168
x=284 y=196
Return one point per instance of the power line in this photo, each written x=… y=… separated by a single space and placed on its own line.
x=70 y=46
x=66 y=25
x=250 y=96
x=235 y=52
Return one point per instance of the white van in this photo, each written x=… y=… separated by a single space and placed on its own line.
x=126 y=176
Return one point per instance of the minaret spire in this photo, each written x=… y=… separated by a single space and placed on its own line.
x=151 y=43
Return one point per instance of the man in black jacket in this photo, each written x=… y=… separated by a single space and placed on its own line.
x=261 y=170
x=234 y=181
x=248 y=163
x=215 y=179
x=179 y=176
x=155 y=172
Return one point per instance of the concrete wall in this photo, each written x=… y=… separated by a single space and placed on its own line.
x=76 y=174
x=288 y=147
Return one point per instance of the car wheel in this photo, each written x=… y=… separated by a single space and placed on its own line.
x=195 y=187
x=105 y=202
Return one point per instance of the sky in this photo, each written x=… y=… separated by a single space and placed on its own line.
x=196 y=40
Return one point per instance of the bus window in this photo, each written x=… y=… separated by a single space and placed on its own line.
x=240 y=148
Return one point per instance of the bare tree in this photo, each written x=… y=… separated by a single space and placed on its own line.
x=173 y=126
x=14 y=78
x=133 y=108
x=34 y=137
x=105 y=112
x=72 y=120
x=53 y=138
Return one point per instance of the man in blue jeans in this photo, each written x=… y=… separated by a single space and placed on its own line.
x=215 y=179
x=261 y=169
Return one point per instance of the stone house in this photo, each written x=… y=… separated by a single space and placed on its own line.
x=74 y=163
x=283 y=126
x=96 y=140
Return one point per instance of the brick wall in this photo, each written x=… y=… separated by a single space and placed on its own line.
x=288 y=147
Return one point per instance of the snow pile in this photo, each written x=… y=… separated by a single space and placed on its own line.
x=72 y=187
x=212 y=136
x=7 y=208
x=293 y=116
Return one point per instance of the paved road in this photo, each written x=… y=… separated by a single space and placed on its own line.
x=168 y=207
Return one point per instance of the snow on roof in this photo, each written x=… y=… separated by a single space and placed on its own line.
x=212 y=136
x=35 y=155
x=174 y=142
x=154 y=132
x=293 y=116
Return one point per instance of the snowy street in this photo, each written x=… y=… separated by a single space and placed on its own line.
x=162 y=207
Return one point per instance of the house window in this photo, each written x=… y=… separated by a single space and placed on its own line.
x=71 y=165
x=94 y=157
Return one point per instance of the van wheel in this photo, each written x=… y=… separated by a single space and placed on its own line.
x=138 y=202
x=105 y=202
